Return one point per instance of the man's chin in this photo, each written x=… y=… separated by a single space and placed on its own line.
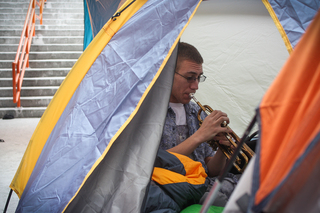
x=186 y=100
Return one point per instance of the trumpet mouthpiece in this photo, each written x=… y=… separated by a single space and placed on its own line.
x=191 y=95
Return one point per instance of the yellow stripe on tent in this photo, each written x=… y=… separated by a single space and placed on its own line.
x=63 y=96
x=278 y=24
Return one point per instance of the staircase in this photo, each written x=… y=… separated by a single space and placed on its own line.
x=57 y=45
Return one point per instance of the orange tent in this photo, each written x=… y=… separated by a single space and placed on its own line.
x=288 y=157
x=283 y=175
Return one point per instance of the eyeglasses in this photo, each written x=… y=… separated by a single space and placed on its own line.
x=201 y=78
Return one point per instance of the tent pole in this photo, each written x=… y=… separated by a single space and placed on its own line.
x=217 y=185
x=8 y=200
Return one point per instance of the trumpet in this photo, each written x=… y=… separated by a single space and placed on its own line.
x=246 y=153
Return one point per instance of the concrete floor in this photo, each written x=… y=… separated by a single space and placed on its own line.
x=16 y=134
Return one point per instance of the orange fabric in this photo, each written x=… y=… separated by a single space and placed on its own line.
x=290 y=112
x=195 y=173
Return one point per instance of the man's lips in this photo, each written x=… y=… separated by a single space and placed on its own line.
x=189 y=94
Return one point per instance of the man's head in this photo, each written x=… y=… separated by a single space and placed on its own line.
x=187 y=74
x=188 y=52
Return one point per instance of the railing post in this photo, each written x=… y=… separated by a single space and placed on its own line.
x=34 y=4
x=41 y=11
x=19 y=102
x=27 y=31
x=27 y=50
x=34 y=15
x=19 y=65
x=14 y=91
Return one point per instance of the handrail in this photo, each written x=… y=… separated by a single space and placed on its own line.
x=22 y=57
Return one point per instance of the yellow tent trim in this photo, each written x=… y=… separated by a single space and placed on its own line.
x=135 y=110
x=278 y=24
x=63 y=96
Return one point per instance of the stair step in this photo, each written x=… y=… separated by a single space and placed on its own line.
x=57 y=39
x=30 y=91
x=57 y=47
x=62 y=4
x=45 y=15
x=44 y=26
x=38 y=39
x=46 y=10
x=8 y=47
x=36 y=101
x=35 y=81
x=10 y=4
x=56 y=63
x=45 y=2
x=43 y=47
x=23 y=112
x=9 y=39
x=55 y=55
x=43 y=55
x=48 y=4
x=43 y=32
x=37 y=72
x=27 y=1
x=52 y=63
x=5 y=22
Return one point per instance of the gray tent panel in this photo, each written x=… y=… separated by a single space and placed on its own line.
x=119 y=182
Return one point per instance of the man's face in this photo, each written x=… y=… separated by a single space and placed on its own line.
x=181 y=88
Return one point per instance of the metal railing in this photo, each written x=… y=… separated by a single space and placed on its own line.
x=22 y=57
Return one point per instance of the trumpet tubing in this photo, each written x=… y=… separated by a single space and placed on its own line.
x=246 y=153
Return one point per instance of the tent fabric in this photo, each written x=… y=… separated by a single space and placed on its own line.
x=287 y=158
x=88 y=121
x=238 y=37
x=100 y=12
x=61 y=98
x=96 y=15
x=87 y=35
x=119 y=176
x=243 y=53
x=177 y=182
x=292 y=18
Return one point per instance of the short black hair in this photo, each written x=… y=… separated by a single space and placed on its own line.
x=188 y=52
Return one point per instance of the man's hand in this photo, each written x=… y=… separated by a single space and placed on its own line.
x=211 y=126
x=222 y=139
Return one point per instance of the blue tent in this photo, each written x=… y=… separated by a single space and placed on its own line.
x=104 y=124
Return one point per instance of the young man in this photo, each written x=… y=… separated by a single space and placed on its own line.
x=182 y=133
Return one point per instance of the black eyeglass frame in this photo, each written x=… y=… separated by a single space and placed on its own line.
x=201 y=78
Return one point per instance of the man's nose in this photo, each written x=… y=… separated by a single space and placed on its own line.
x=194 y=85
